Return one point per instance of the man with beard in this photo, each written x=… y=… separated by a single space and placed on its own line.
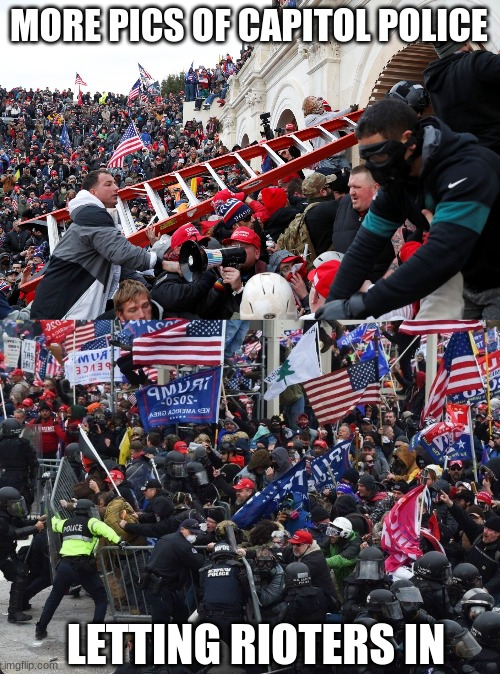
x=427 y=170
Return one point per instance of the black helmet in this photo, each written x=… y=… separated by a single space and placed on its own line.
x=467 y=575
x=84 y=506
x=458 y=640
x=408 y=595
x=297 y=575
x=433 y=566
x=223 y=550
x=486 y=628
x=175 y=464
x=197 y=473
x=411 y=93
x=10 y=428
x=370 y=564
x=383 y=603
x=479 y=603
x=72 y=451
x=12 y=502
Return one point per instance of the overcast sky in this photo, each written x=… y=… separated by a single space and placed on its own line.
x=104 y=66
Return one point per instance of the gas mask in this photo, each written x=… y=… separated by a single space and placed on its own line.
x=386 y=161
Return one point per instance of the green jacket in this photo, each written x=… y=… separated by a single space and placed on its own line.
x=342 y=557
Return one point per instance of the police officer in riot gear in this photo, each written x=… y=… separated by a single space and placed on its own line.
x=473 y=606
x=14 y=526
x=175 y=472
x=368 y=575
x=225 y=589
x=486 y=631
x=432 y=576
x=304 y=603
x=18 y=462
x=411 y=602
x=460 y=647
x=80 y=536
x=411 y=93
x=464 y=577
x=199 y=483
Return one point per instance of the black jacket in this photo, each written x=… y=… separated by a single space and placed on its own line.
x=172 y=558
x=465 y=93
x=279 y=221
x=181 y=299
x=459 y=182
x=319 y=221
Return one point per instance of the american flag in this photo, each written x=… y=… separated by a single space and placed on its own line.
x=129 y=143
x=144 y=73
x=46 y=366
x=438 y=327
x=86 y=332
x=79 y=80
x=186 y=343
x=134 y=92
x=457 y=372
x=335 y=394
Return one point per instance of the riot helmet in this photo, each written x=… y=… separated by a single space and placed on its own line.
x=84 y=506
x=474 y=606
x=223 y=550
x=12 y=502
x=433 y=566
x=10 y=428
x=411 y=93
x=467 y=576
x=297 y=575
x=486 y=629
x=370 y=564
x=73 y=452
x=408 y=595
x=383 y=604
x=458 y=640
x=175 y=465
x=197 y=473
x=268 y=296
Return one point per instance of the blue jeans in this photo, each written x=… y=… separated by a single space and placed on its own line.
x=236 y=332
x=190 y=91
x=293 y=410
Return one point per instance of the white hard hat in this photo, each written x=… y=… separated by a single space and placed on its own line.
x=267 y=295
x=340 y=526
x=327 y=256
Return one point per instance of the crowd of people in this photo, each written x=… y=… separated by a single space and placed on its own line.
x=320 y=560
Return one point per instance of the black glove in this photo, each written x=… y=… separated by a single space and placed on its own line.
x=123 y=544
x=354 y=307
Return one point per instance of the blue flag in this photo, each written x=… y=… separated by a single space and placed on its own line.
x=440 y=447
x=369 y=353
x=267 y=502
x=65 y=141
x=335 y=461
x=191 y=399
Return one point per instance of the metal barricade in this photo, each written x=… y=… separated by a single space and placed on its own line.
x=62 y=488
x=122 y=572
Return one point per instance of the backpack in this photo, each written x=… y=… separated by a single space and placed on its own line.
x=296 y=237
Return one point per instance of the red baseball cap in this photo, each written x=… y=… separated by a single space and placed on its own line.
x=484 y=497
x=245 y=483
x=301 y=537
x=27 y=402
x=185 y=233
x=181 y=446
x=17 y=373
x=456 y=462
x=116 y=475
x=322 y=277
x=50 y=395
x=244 y=235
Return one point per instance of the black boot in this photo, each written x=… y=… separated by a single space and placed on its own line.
x=40 y=632
x=19 y=617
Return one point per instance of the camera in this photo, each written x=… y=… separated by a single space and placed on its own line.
x=267 y=133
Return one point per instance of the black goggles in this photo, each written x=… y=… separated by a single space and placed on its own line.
x=381 y=154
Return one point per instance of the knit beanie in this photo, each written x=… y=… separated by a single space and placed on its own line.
x=232 y=211
x=273 y=198
x=444 y=49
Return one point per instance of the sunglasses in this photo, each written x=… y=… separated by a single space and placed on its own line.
x=455 y=467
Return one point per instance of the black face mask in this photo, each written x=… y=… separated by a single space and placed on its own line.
x=386 y=161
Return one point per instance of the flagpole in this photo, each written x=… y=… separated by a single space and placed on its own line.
x=407 y=348
x=85 y=437
x=112 y=373
x=487 y=365
x=472 y=451
x=422 y=503
x=74 y=373
x=3 y=402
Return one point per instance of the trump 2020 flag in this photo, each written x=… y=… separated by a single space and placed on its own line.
x=191 y=399
x=302 y=364
x=266 y=502
x=334 y=462
x=65 y=141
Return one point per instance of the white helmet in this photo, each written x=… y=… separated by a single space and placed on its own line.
x=268 y=295
x=340 y=526
x=327 y=256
